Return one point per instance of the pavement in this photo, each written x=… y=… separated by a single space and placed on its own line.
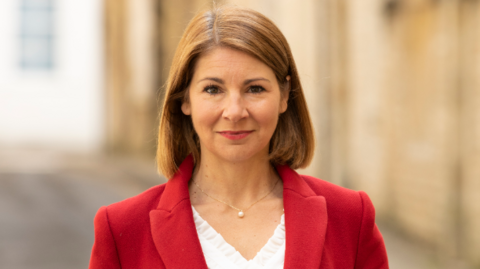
x=48 y=201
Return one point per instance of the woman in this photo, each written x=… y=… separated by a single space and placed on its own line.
x=234 y=126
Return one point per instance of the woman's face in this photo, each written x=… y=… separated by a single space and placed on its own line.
x=234 y=102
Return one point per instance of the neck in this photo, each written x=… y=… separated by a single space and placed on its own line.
x=236 y=183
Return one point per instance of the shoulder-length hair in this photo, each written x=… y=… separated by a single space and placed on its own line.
x=251 y=32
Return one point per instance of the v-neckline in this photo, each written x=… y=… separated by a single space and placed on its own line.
x=214 y=244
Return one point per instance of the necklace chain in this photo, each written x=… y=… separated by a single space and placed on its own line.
x=240 y=211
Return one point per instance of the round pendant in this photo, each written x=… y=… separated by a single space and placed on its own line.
x=241 y=214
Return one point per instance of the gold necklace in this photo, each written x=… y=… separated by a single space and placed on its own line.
x=241 y=213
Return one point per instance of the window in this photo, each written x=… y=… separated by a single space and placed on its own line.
x=37 y=37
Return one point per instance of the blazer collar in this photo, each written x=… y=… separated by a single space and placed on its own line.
x=175 y=235
x=305 y=221
x=173 y=229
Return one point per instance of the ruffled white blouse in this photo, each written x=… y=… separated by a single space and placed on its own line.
x=219 y=254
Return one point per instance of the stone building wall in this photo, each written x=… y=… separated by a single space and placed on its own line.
x=423 y=118
x=413 y=117
x=469 y=127
x=131 y=79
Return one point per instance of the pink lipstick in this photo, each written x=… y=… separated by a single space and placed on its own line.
x=235 y=135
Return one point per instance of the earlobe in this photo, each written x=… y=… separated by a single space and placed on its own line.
x=186 y=109
x=284 y=105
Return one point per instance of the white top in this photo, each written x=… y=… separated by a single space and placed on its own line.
x=219 y=254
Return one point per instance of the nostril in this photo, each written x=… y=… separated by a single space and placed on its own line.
x=235 y=109
x=235 y=114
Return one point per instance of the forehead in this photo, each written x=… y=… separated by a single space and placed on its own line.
x=227 y=61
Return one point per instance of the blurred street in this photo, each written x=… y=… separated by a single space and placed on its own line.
x=48 y=201
x=46 y=215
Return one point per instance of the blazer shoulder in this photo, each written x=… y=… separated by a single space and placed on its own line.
x=322 y=187
x=339 y=199
x=137 y=206
x=351 y=218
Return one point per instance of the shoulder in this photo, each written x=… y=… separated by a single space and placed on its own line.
x=329 y=190
x=352 y=233
x=351 y=224
x=342 y=201
x=123 y=234
x=135 y=208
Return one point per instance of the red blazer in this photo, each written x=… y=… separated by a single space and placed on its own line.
x=326 y=226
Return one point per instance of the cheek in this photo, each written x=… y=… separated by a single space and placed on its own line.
x=204 y=116
x=267 y=115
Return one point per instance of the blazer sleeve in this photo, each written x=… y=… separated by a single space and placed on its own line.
x=371 y=252
x=104 y=252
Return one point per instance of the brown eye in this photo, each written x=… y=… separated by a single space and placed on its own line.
x=211 y=89
x=256 y=89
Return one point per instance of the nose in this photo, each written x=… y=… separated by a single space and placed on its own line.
x=235 y=108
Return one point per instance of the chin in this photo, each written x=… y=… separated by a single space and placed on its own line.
x=240 y=155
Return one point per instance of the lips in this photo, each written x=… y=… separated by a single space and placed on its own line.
x=235 y=135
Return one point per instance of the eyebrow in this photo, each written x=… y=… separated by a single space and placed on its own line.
x=247 y=81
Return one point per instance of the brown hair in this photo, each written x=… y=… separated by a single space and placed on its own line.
x=249 y=31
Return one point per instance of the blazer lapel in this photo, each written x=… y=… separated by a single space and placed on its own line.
x=172 y=225
x=305 y=221
x=176 y=239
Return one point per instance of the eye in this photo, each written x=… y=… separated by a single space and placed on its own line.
x=211 y=89
x=256 y=89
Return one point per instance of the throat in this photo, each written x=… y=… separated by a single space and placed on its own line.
x=239 y=195
x=234 y=184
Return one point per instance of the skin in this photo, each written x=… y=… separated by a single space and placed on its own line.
x=233 y=92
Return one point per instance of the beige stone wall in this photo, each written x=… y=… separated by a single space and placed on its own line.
x=130 y=76
x=115 y=65
x=367 y=133
x=413 y=116
x=469 y=143
x=423 y=111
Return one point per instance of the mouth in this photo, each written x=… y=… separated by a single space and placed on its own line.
x=235 y=135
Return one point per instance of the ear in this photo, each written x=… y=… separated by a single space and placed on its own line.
x=186 y=108
x=285 y=95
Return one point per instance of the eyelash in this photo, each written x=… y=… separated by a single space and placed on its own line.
x=212 y=86
x=262 y=89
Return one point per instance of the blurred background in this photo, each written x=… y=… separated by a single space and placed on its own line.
x=393 y=87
